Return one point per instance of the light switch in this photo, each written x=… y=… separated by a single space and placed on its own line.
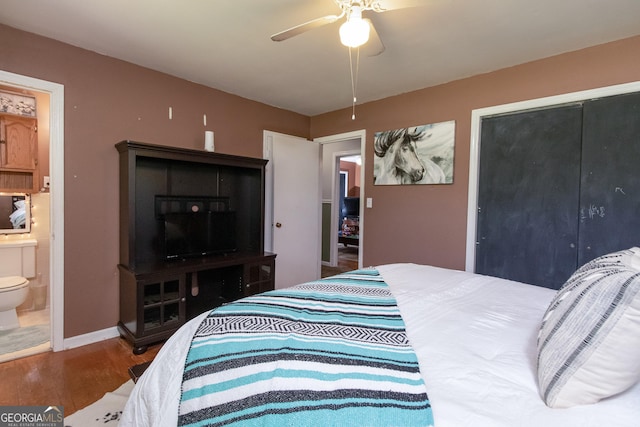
x=369 y=202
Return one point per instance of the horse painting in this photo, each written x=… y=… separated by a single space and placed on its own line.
x=397 y=160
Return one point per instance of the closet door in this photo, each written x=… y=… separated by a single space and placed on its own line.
x=610 y=187
x=527 y=223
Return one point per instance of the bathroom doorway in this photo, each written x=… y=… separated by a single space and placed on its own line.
x=41 y=315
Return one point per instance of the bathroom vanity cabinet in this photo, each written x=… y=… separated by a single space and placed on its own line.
x=18 y=153
x=167 y=280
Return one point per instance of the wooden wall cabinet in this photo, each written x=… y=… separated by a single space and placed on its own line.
x=18 y=153
x=158 y=295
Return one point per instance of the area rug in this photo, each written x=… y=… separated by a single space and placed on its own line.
x=22 y=338
x=106 y=411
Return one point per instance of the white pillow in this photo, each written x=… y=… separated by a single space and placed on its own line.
x=589 y=340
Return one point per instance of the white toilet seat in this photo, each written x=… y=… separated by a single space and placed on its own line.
x=11 y=283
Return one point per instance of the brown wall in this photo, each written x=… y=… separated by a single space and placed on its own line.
x=427 y=223
x=353 y=189
x=106 y=101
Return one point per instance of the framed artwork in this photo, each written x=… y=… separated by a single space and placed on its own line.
x=15 y=103
x=415 y=155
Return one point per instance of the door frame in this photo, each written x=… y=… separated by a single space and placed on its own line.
x=474 y=157
x=335 y=204
x=56 y=172
x=362 y=136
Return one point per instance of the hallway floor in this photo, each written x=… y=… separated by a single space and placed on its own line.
x=347 y=261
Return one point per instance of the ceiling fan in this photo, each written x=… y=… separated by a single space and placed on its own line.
x=356 y=30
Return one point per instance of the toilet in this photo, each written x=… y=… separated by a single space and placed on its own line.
x=17 y=265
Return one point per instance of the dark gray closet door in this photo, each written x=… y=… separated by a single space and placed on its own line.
x=528 y=197
x=610 y=189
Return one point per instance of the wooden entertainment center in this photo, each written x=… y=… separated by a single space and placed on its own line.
x=160 y=290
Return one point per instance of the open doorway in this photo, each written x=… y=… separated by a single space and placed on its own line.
x=48 y=204
x=32 y=333
x=347 y=198
x=339 y=184
x=325 y=231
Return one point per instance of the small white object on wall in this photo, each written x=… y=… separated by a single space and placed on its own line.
x=208 y=140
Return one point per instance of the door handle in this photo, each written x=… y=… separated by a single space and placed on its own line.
x=278 y=225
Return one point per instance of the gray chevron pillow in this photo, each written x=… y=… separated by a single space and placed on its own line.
x=589 y=340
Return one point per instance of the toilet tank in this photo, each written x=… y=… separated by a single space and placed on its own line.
x=18 y=257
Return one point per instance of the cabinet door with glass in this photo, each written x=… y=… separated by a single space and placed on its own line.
x=259 y=276
x=162 y=304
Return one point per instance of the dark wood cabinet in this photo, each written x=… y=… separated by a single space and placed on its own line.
x=160 y=289
x=258 y=276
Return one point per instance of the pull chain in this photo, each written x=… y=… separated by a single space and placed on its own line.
x=354 y=79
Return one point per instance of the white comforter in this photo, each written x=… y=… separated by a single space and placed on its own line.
x=475 y=337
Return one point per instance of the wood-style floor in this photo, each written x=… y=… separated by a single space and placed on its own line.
x=72 y=378
x=347 y=261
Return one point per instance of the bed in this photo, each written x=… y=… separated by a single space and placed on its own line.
x=491 y=352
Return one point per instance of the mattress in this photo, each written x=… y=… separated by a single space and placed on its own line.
x=475 y=339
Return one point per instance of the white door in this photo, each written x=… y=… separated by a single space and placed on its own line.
x=292 y=214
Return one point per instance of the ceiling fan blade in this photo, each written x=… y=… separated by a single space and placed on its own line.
x=398 y=4
x=299 y=29
x=374 y=46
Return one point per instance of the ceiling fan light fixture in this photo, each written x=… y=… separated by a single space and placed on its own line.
x=354 y=32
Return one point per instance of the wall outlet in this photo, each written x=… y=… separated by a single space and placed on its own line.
x=47 y=182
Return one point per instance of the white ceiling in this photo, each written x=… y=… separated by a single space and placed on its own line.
x=226 y=44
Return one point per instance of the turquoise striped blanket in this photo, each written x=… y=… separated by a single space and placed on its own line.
x=333 y=352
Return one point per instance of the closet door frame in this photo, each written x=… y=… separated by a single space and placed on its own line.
x=474 y=157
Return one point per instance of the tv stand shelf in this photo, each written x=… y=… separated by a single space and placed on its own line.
x=158 y=298
x=158 y=183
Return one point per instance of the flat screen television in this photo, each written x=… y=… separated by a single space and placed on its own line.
x=351 y=206
x=194 y=234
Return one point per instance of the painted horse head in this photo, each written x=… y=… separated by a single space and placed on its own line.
x=398 y=149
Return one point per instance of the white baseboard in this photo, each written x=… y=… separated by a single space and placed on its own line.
x=90 y=338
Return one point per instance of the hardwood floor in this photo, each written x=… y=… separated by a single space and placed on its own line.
x=72 y=378
x=347 y=261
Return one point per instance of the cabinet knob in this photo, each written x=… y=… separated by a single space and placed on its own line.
x=278 y=225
